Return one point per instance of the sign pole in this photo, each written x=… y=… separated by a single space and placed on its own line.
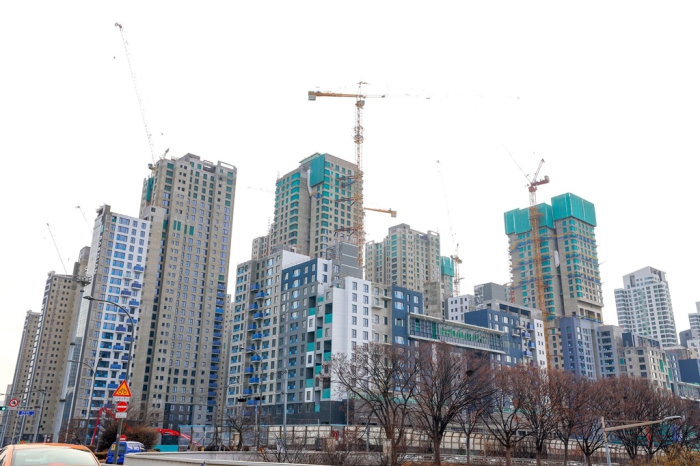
x=121 y=394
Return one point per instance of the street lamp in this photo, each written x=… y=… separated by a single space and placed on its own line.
x=628 y=426
x=93 y=369
x=128 y=365
x=257 y=398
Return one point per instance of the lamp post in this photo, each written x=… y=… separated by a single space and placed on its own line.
x=628 y=426
x=284 y=413
x=258 y=397
x=128 y=365
x=41 y=411
x=93 y=369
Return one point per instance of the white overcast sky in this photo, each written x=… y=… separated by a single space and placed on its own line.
x=608 y=93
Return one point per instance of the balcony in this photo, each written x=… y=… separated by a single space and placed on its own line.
x=249 y=349
x=249 y=370
x=219 y=310
x=220 y=302
x=220 y=294
x=211 y=393
x=127 y=339
x=218 y=318
x=134 y=303
x=247 y=391
x=218 y=326
x=125 y=357
x=527 y=354
x=530 y=327
x=213 y=384
x=125 y=293
x=215 y=351
x=118 y=347
x=257 y=336
x=138 y=268
x=531 y=344
x=258 y=315
x=213 y=376
x=254 y=380
x=115 y=365
x=214 y=359
x=216 y=342
x=253 y=307
x=217 y=334
x=113 y=385
x=254 y=287
x=252 y=327
x=259 y=295
x=122 y=376
x=526 y=334
x=211 y=402
x=120 y=328
x=255 y=358
x=214 y=367
x=221 y=287
x=136 y=285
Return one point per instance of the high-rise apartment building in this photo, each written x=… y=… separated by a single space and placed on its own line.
x=59 y=307
x=189 y=202
x=314 y=205
x=569 y=257
x=256 y=317
x=21 y=382
x=644 y=306
x=568 y=261
x=694 y=318
x=406 y=258
x=102 y=338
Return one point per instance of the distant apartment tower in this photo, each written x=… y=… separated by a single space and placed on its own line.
x=254 y=328
x=457 y=306
x=406 y=258
x=569 y=256
x=22 y=381
x=694 y=318
x=59 y=309
x=102 y=338
x=314 y=205
x=190 y=203
x=489 y=291
x=644 y=306
x=260 y=247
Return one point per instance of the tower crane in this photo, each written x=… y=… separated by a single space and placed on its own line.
x=151 y=166
x=534 y=215
x=455 y=257
x=357 y=199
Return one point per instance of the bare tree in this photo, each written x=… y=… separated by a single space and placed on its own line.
x=641 y=400
x=239 y=422
x=539 y=400
x=597 y=400
x=503 y=417
x=381 y=379
x=468 y=421
x=450 y=380
x=573 y=398
x=686 y=433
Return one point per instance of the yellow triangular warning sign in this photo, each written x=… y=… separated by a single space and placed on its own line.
x=122 y=390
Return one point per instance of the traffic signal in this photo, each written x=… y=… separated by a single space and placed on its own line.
x=3 y=408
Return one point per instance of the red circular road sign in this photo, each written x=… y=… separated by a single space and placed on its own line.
x=14 y=402
x=121 y=406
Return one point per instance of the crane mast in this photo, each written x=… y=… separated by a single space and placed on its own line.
x=138 y=97
x=534 y=215
x=357 y=200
